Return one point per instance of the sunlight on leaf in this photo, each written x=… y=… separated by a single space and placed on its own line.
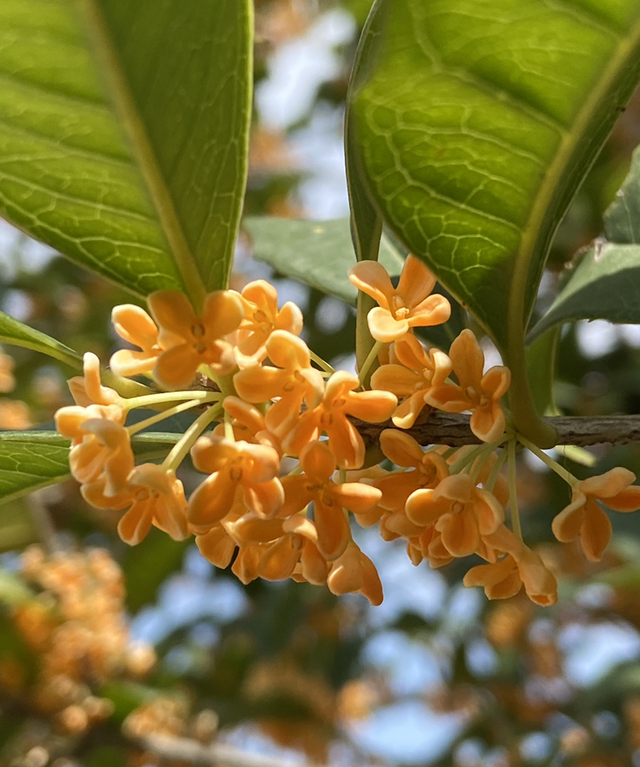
x=123 y=134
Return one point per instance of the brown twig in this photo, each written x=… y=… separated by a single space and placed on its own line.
x=453 y=430
x=188 y=750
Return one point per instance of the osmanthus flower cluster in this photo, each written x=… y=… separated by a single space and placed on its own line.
x=275 y=437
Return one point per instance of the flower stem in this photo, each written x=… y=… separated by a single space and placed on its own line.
x=137 y=427
x=321 y=363
x=179 y=451
x=371 y=358
x=493 y=474
x=553 y=465
x=513 y=490
x=228 y=427
x=149 y=400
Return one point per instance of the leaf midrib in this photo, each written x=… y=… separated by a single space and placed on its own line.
x=568 y=141
x=144 y=154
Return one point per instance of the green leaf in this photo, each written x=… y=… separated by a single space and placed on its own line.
x=477 y=120
x=30 y=460
x=123 y=134
x=18 y=334
x=541 y=368
x=318 y=253
x=605 y=282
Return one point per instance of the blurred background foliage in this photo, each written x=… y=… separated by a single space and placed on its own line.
x=102 y=646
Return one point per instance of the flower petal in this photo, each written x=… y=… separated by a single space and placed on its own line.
x=222 y=313
x=596 y=531
x=567 y=524
x=176 y=368
x=372 y=278
x=334 y=532
x=384 y=327
x=416 y=281
x=400 y=448
x=467 y=358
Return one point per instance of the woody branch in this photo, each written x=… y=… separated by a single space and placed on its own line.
x=453 y=430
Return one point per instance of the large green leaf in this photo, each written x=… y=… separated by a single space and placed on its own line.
x=318 y=253
x=123 y=134
x=605 y=282
x=30 y=460
x=476 y=121
x=18 y=334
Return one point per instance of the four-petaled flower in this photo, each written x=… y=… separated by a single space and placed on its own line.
x=585 y=519
x=134 y=325
x=503 y=578
x=330 y=499
x=293 y=380
x=233 y=466
x=460 y=511
x=190 y=341
x=261 y=318
x=329 y=416
x=474 y=391
x=410 y=305
x=416 y=373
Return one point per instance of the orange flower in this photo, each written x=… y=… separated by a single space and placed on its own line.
x=412 y=378
x=233 y=465
x=460 y=511
x=191 y=341
x=475 y=391
x=69 y=420
x=155 y=497
x=249 y=424
x=159 y=500
x=261 y=318
x=293 y=380
x=429 y=545
x=521 y=566
x=330 y=500
x=410 y=305
x=217 y=545
x=584 y=518
x=88 y=389
x=104 y=450
x=429 y=469
x=330 y=416
x=134 y=325
x=354 y=573
x=312 y=566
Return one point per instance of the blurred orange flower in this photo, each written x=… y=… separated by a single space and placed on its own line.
x=408 y=306
x=584 y=518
